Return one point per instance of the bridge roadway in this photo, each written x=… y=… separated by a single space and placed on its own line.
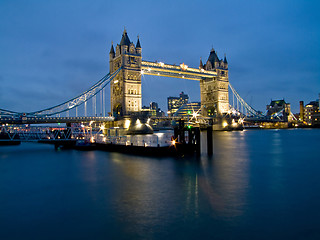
x=39 y=120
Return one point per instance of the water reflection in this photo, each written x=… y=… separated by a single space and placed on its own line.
x=148 y=186
x=276 y=148
x=253 y=176
x=144 y=192
x=192 y=198
x=225 y=179
x=276 y=156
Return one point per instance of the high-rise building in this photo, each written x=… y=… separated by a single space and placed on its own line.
x=183 y=98
x=310 y=111
x=154 y=106
x=174 y=103
x=153 y=110
x=301 y=115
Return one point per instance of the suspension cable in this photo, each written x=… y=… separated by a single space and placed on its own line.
x=70 y=104
x=247 y=107
x=79 y=100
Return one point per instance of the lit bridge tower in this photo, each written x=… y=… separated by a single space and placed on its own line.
x=214 y=90
x=126 y=86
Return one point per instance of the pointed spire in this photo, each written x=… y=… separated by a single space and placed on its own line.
x=138 y=45
x=125 y=39
x=225 y=59
x=213 y=57
x=112 y=49
x=201 y=64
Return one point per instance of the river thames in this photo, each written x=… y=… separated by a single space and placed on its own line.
x=259 y=184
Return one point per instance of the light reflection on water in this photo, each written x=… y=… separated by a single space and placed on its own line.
x=252 y=177
x=225 y=180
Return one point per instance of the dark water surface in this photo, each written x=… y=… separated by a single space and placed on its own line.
x=258 y=185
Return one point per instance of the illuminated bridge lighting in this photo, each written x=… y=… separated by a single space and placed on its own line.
x=177 y=71
x=184 y=66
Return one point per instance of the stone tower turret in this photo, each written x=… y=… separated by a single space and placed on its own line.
x=214 y=91
x=201 y=64
x=125 y=88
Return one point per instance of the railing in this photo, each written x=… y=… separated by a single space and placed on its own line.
x=38 y=120
x=31 y=134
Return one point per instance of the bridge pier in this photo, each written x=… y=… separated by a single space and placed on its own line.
x=194 y=139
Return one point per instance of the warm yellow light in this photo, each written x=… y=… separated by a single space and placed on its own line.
x=194 y=115
x=127 y=123
x=161 y=64
x=138 y=123
x=102 y=127
x=92 y=139
x=224 y=124
x=115 y=81
x=184 y=66
x=173 y=142
x=142 y=72
x=234 y=124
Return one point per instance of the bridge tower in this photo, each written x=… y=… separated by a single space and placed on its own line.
x=125 y=88
x=214 y=91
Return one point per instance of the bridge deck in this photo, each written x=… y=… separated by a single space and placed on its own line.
x=35 y=120
x=181 y=71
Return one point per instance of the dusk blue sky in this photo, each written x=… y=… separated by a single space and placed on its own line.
x=51 y=51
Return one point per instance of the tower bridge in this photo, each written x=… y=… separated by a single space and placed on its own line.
x=126 y=86
x=126 y=68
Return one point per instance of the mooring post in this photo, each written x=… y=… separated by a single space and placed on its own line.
x=197 y=141
x=209 y=141
x=176 y=132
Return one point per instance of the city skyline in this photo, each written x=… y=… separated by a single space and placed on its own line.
x=54 y=50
